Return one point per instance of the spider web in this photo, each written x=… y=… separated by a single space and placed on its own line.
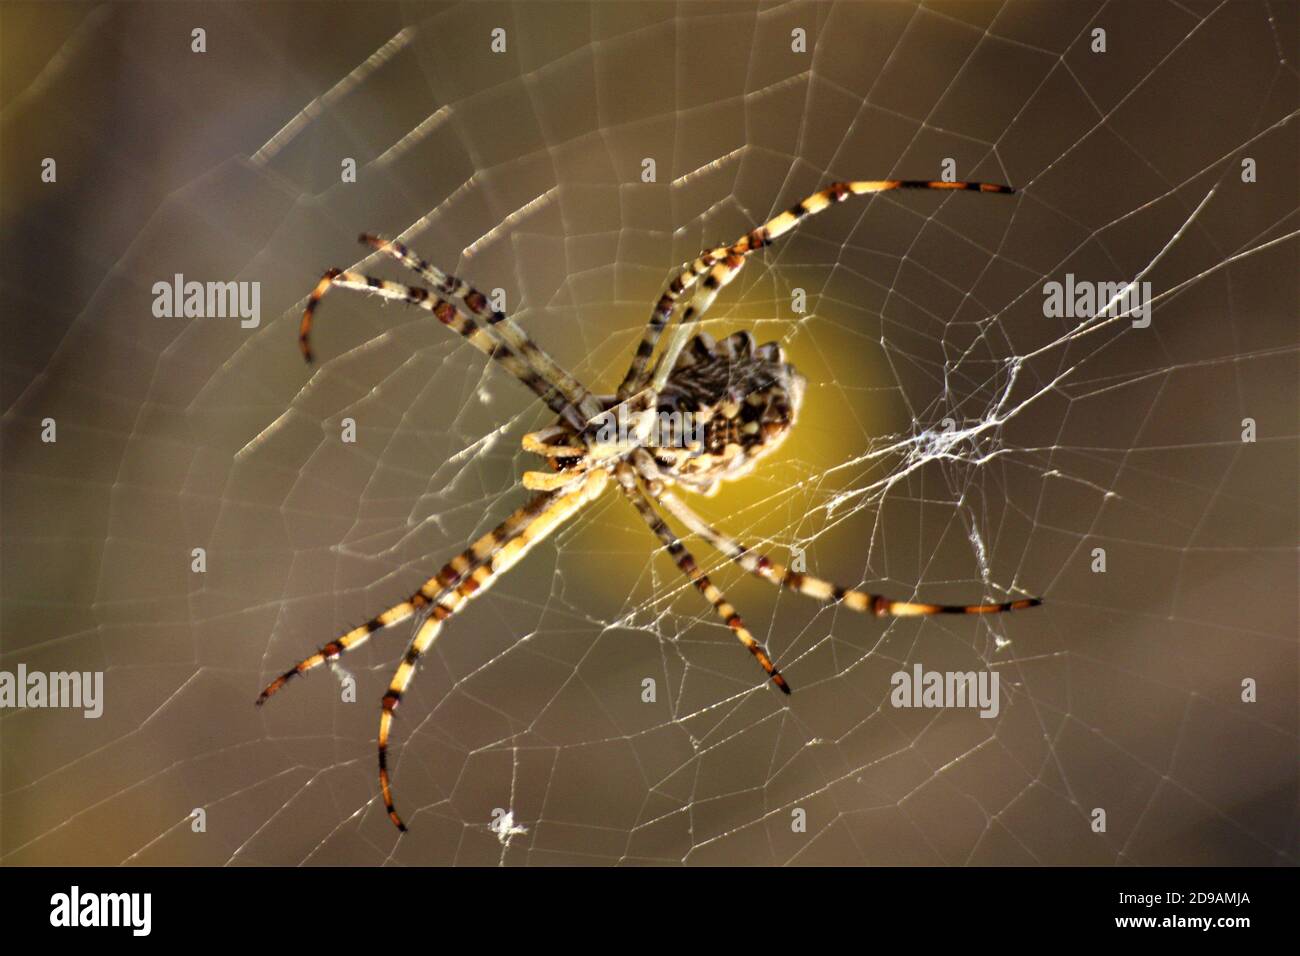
x=955 y=444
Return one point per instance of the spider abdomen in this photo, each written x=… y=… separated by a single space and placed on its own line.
x=725 y=405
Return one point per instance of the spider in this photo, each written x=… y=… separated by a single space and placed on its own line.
x=741 y=399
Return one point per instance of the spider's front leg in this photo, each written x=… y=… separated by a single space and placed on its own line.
x=716 y=267
x=508 y=549
x=483 y=337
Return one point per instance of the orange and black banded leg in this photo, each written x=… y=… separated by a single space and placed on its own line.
x=508 y=548
x=686 y=564
x=453 y=573
x=717 y=278
x=496 y=323
x=732 y=259
x=446 y=313
x=638 y=372
x=764 y=567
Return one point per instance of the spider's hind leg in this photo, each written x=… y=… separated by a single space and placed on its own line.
x=687 y=565
x=507 y=544
x=760 y=565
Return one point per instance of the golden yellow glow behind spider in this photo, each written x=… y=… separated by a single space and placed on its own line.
x=850 y=397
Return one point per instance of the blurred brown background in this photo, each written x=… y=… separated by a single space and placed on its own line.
x=522 y=171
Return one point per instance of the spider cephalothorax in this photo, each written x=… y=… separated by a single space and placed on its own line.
x=702 y=413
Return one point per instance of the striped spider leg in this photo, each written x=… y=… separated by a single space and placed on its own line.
x=566 y=402
x=627 y=479
x=745 y=397
x=462 y=579
x=477 y=303
x=760 y=565
x=474 y=570
x=723 y=263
